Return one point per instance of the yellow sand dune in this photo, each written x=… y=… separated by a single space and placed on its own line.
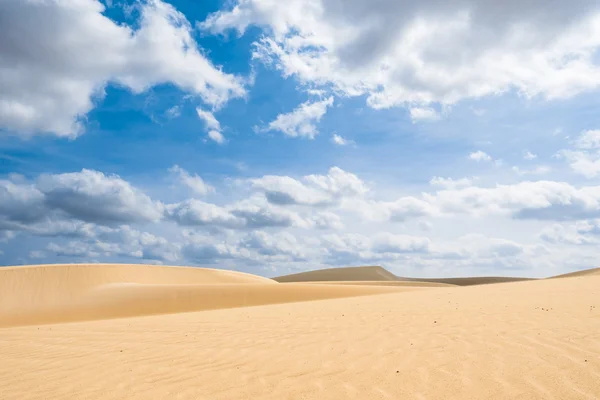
x=64 y=293
x=524 y=340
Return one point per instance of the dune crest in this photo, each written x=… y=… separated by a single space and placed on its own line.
x=78 y=292
x=585 y=272
x=366 y=273
x=379 y=274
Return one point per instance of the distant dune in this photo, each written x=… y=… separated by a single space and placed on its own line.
x=470 y=281
x=66 y=293
x=381 y=283
x=367 y=273
x=377 y=273
x=586 y=272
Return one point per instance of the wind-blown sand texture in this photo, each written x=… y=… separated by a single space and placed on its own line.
x=522 y=340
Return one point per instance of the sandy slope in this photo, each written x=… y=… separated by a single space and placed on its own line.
x=64 y=293
x=524 y=340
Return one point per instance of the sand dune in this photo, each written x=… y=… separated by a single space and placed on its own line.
x=470 y=281
x=382 y=283
x=376 y=273
x=524 y=340
x=66 y=293
x=30 y=287
x=587 y=272
x=367 y=273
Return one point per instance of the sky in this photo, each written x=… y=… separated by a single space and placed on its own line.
x=433 y=138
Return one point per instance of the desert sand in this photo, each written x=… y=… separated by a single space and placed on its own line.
x=145 y=332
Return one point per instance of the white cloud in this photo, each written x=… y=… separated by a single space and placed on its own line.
x=216 y=136
x=305 y=222
x=529 y=156
x=57 y=57
x=311 y=190
x=212 y=125
x=340 y=141
x=423 y=114
x=209 y=119
x=540 y=200
x=301 y=122
x=194 y=182
x=173 y=112
x=95 y=197
x=449 y=183
x=272 y=245
x=539 y=170
x=584 y=157
x=585 y=232
x=194 y=212
x=480 y=156
x=406 y=52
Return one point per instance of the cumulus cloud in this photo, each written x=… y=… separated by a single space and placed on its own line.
x=423 y=114
x=539 y=170
x=311 y=190
x=123 y=241
x=450 y=183
x=92 y=196
x=480 y=156
x=194 y=182
x=585 y=232
x=58 y=56
x=406 y=52
x=584 y=156
x=216 y=136
x=251 y=213
x=529 y=156
x=340 y=141
x=301 y=122
x=539 y=200
x=274 y=245
x=194 y=212
x=65 y=204
x=212 y=125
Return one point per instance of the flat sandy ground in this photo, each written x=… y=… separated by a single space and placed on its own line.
x=521 y=340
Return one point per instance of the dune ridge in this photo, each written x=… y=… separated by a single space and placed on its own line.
x=380 y=274
x=77 y=292
x=365 y=273
x=585 y=272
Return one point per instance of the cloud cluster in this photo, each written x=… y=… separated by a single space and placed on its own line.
x=311 y=190
x=418 y=53
x=57 y=57
x=527 y=200
x=584 y=156
x=282 y=220
x=65 y=203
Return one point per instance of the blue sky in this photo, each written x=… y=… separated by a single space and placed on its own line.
x=273 y=138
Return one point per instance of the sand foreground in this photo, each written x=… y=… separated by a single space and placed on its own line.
x=523 y=340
